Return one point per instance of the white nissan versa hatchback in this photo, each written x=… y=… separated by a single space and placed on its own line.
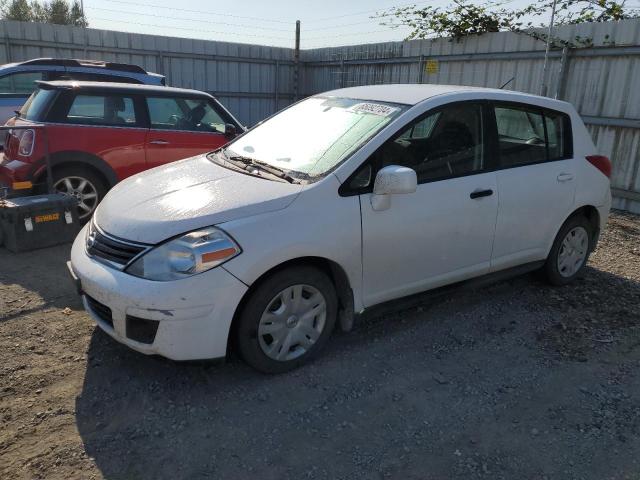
x=340 y=202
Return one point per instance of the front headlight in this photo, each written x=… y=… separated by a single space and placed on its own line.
x=192 y=253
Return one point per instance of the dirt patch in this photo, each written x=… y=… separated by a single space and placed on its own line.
x=514 y=380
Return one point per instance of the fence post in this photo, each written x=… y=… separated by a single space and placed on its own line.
x=562 y=74
x=7 y=46
x=421 y=69
x=276 y=87
x=296 y=67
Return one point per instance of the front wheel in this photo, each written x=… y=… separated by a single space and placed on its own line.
x=287 y=319
x=570 y=251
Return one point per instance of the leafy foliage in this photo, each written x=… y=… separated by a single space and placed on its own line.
x=462 y=18
x=55 y=11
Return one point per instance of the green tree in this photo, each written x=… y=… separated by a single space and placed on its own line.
x=58 y=12
x=462 y=18
x=16 y=10
x=55 y=11
x=76 y=16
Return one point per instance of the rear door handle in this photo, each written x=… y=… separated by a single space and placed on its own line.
x=159 y=142
x=481 y=193
x=565 y=177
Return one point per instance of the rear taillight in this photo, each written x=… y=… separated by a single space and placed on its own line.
x=602 y=163
x=27 y=139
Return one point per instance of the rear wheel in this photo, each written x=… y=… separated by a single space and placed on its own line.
x=570 y=251
x=82 y=184
x=287 y=319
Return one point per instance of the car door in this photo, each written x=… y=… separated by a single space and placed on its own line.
x=182 y=127
x=536 y=181
x=108 y=125
x=444 y=231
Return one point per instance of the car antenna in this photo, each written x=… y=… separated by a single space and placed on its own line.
x=508 y=82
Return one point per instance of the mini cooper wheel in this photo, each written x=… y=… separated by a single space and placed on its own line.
x=83 y=185
x=287 y=319
x=570 y=251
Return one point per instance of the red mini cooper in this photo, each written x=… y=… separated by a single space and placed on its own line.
x=100 y=133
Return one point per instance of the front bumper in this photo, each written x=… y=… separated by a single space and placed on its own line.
x=194 y=314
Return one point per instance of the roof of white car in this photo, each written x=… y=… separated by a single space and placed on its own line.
x=411 y=94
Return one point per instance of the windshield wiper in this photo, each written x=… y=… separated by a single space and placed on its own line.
x=267 y=167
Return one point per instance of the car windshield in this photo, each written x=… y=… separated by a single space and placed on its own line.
x=314 y=136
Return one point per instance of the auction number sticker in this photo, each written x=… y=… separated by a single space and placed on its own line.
x=374 y=109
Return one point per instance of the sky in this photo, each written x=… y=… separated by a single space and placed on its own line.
x=324 y=23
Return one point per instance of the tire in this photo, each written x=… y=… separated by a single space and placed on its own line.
x=68 y=180
x=561 y=266
x=275 y=335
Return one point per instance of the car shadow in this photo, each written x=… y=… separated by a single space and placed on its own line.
x=41 y=274
x=148 y=417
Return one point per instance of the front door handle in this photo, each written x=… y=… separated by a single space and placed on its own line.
x=565 y=177
x=481 y=193
x=159 y=142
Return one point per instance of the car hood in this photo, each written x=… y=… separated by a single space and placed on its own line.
x=183 y=196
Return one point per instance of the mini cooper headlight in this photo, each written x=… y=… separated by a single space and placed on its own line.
x=192 y=253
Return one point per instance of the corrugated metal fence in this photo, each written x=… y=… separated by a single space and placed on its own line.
x=602 y=81
x=253 y=81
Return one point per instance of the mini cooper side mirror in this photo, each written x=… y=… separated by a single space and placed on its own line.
x=392 y=180
x=230 y=130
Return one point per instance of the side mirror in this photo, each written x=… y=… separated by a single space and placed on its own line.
x=392 y=180
x=230 y=130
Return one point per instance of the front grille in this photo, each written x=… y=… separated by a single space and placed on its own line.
x=115 y=251
x=100 y=310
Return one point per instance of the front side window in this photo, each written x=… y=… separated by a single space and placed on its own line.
x=446 y=143
x=316 y=135
x=191 y=114
x=20 y=83
x=112 y=109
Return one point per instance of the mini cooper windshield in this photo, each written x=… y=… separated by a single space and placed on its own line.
x=313 y=137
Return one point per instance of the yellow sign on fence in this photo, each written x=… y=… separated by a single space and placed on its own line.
x=431 y=66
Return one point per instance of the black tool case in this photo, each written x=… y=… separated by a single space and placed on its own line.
x=38 y=221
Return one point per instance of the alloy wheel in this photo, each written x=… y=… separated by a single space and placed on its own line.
x=82 y=190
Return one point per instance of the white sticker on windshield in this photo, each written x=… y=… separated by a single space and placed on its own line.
x=373 y=108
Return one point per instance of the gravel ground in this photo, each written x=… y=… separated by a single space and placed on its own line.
x=517 y=380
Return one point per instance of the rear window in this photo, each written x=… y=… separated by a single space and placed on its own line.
x=19 y=83
x=36 y=107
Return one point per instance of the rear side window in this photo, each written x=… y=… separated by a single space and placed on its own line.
x=36 y=107
x=20 y=83
x=111 y=110
x=90 y=77
x=528 y=135
x=558 y=128
x=190 y=114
